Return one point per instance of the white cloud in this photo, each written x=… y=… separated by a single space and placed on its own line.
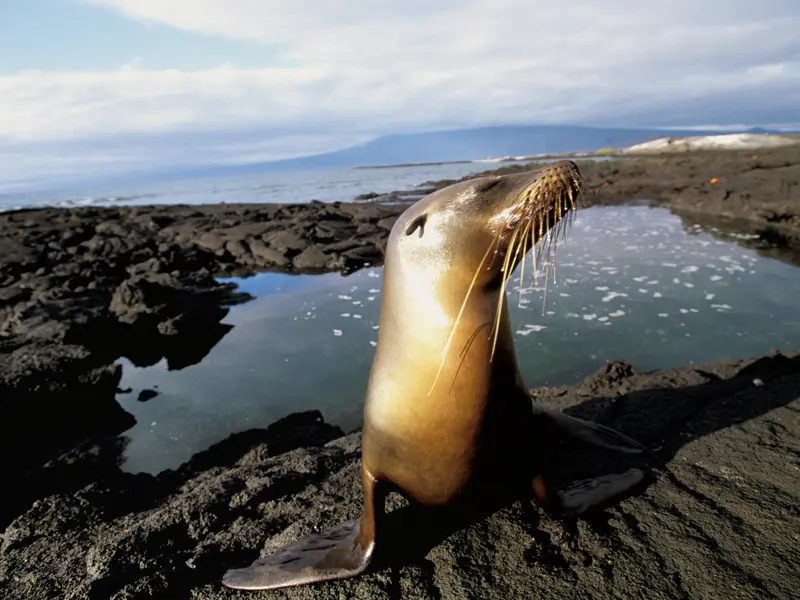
x=370 y=67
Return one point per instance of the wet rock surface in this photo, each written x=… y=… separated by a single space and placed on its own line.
x=716 y=517
x=82 y=287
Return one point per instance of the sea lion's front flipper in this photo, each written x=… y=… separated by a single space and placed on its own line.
x=336 y=554
x=586 y=494
x=592 y=433
x=342 y=552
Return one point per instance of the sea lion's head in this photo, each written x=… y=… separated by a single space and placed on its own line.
x=473 y=233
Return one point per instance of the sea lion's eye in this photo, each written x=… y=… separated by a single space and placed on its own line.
x=418 y=223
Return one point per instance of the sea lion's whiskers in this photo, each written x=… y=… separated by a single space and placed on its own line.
x=560 y=228
x=465 y=349
x=552 y=250
x=512 y=254
x=546 y=271
x=522 y=262
x=560 y=213
x=548 y=236
x=569 y=215
x=533 y=257
x=461 y=312
x=508 y=261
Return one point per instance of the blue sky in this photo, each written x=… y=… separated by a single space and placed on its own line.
x=62 y=35
x=108 y=86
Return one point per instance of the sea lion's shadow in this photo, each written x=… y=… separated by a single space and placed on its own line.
x=664 y=419
x=410 y=532
x=667 y=419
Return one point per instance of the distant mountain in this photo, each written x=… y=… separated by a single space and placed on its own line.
x=465 y=144
x=440 y=146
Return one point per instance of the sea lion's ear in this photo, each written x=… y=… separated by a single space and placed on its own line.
x=485 y=187
x=418 y=223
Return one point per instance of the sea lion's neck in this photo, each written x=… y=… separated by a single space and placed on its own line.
x=427 y=344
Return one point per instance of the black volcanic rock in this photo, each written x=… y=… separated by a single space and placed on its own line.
x=716 y=511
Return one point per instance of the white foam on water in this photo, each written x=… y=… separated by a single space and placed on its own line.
x=611 y=295
x=529 y=329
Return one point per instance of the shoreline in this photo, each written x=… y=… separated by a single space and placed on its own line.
x=81 y=287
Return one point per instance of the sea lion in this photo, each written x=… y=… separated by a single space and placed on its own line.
x=447 y=415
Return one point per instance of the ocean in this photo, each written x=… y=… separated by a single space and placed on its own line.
x=300 y=186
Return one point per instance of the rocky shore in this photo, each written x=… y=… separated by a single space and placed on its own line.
x=717 y=517
x=81 y=287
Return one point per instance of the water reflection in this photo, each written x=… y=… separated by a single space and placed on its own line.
x=631 y=282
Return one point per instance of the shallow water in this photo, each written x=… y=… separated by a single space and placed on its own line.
x=631 y=282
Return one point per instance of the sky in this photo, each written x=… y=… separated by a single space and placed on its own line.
x=109 y=86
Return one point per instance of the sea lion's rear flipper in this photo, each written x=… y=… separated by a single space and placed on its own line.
x=583 y=495
x=589 y=493
x=592 y=433
x=336 y=554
